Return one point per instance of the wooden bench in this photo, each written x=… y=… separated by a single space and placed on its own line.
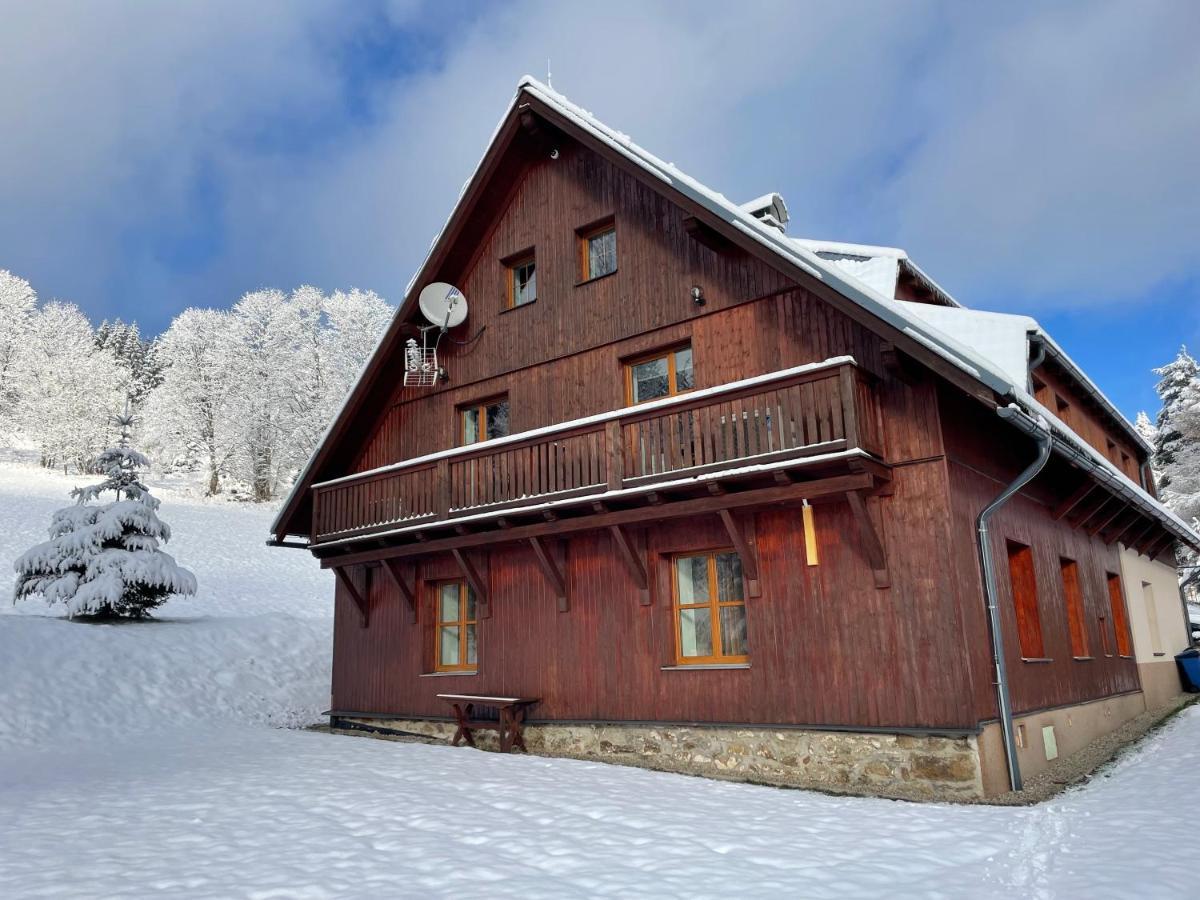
x=474 y=712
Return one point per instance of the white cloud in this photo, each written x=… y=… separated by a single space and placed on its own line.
x=1021 y=156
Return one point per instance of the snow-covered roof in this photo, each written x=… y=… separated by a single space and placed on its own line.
x=1001 y=337
x=884 y=307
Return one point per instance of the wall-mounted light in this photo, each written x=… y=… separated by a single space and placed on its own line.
x=554 y=153
x=697 y=295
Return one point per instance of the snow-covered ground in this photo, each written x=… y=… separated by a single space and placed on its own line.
x=139 y=761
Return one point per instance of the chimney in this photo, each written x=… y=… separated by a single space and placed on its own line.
x=769 y=209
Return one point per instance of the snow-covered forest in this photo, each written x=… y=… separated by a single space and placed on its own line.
x=237 y=396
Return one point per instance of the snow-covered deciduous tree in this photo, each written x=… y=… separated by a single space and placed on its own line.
x=103 y=559
x=17 y=301
x=69 y=388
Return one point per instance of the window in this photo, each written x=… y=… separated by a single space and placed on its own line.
x=1116 y=602
x=483 y=421
x=1025 y=601
x=597 y=251
x=455 y=627
x=709 y=608
x=1156 y=644
x=662 y=375
x=522 y=281
x=1074 y=597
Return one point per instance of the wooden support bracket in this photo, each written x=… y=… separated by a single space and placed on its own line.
x=394 y=569
x=1080 y=494
x=478 y=585
x=899 y=364
x=356 y=596
x=872 y=545
x=743 y=543
x=544 y=551
x=633 y=562
x=1107 y=519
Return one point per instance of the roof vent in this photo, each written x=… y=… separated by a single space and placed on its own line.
x=769 y=209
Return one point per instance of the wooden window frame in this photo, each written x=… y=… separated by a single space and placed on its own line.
x=714 y=604
x=583 y=236
x=663 y=352
x=1076 y=616
x=480 y=406
x=462 y=667
x=1119 y=614
x=1023 y=606
x=511 y=265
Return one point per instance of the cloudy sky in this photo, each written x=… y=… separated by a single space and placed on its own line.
x=1041 y=159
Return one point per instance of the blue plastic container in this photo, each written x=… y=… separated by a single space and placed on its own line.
x=1189 y=669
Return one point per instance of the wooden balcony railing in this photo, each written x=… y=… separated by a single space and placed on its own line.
x=798 y=412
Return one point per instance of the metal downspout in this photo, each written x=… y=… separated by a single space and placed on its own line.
x=1041 y=434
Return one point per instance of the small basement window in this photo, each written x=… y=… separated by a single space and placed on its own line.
x=1025 y=600
x=455 y=641
x=597 y=251
x=662 y=374
x=709 y=608
x=522 y=280
x=483 y=421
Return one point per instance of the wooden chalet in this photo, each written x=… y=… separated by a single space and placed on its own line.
x=709 y=494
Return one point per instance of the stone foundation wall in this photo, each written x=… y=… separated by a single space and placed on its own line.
x=890 y=765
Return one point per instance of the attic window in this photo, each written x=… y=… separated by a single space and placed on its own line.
x=598 y=251
x=522 y=280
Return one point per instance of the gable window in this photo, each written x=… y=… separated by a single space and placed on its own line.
x=598 y=251
x=662 y=374
x=1116 y=602
x=709 y=608
x=483 y=421
x=1025 y=600
x=456 y=624
x=522 y=280
x=1075 y=617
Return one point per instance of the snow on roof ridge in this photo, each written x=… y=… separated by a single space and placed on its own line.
x=849 y=249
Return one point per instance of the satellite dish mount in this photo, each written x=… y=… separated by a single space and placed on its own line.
x=444 y=307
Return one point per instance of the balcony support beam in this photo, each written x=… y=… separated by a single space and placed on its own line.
x=628 y=552
x=872 y=545
x=546 y=554
x=342 y=575
x=801 y=490
x=743 y=542
x=478 y=585
x=393 y=567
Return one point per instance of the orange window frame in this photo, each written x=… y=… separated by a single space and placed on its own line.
x=1025 y=600
x=1076 y=620
x=714 y=604
x=672 y=381
x=1120 y=618
x=585 y=237
x=461 y=623
x=513 y=265
x=479 y=407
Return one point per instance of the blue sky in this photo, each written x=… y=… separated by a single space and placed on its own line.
x=1033 y=159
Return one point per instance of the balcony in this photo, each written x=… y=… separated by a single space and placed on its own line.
x=804 y=417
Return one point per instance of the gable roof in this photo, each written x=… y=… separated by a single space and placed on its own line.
x=950 y=357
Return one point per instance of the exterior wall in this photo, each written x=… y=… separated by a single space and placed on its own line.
x=1155 y=655
x=979 y=468
x=1085 y=419
x=909 y=766
x=826 y=646
x=1074 y=728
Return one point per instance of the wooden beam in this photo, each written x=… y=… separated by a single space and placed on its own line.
x=1136 y=537
x=1165 y=540
x=599 y=507
x=633 y=562
x=654 y=498
x=1129 y=516
x=1107 y=519
x=899 y=364
x=872 y=545
x=1085 y=513
x=1078 y=496
x=357 y=598
x=716 y=489
x=475 y=581
x=1136 y=526
x=782 y=476
x=801 y=490
x=549 y=515
x=745 y=550
x=393 y=568
x=551 y=570
x=702 y=233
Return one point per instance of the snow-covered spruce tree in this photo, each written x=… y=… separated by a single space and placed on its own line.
x=103 y=559
x=1177 y=444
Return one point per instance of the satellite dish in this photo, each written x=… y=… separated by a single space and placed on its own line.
x=443 y=305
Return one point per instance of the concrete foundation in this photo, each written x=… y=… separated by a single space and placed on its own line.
x=1160 y=682
x=890 y=765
